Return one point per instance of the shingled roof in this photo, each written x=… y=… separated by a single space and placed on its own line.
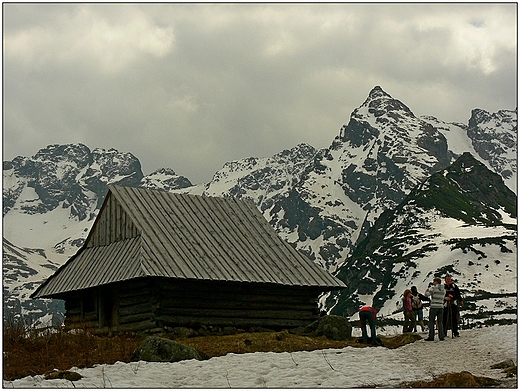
x=151 y=233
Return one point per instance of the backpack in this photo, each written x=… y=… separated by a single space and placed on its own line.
x=416 y=302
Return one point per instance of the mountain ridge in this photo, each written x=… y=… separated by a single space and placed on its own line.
x=323 y=202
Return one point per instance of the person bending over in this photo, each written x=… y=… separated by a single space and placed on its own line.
x=367 y=316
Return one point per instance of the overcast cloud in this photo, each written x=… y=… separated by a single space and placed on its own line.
x=192 y=86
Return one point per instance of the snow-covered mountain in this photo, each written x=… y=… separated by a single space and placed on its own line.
x=54 y=196
x=378 y=157
x=323 y=202
x=461 y=221
x=264 y=180
x=490 y=137
x=50 y=201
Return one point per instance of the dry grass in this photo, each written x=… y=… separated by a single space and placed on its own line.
x=454 y=380
x=400 y=340
x=278 y=342
x=31 y=352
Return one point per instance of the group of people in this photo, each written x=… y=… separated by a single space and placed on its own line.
x=444 y=308
x=413 y=309
x=444 y=311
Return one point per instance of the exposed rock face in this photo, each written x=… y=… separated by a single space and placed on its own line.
x=495 y=137
x=67 y=176
x=165 y=350
x=165 y=179
x=264 y=180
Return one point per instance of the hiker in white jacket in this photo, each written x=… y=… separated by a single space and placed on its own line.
x=436 y=309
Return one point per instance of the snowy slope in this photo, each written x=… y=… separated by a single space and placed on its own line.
x=23 y=270
x=455 y=134
x=460 y=221
x=489 y=266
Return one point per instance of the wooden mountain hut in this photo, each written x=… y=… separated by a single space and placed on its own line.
x=155 y=259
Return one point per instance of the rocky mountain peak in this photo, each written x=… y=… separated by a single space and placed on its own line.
x=78 y=154
x=479 y=116
x=379 y=103
x=494 y=137
x=165 y=179
x=377 y=92
x=68 y=176
x=262 y=180
x=386 y=140
x=379 y=112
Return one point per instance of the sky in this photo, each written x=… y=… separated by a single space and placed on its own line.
x=346 y=368
x=193 y=86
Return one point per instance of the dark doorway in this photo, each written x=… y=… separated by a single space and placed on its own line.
x=108 y=308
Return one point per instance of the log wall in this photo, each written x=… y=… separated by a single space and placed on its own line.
x=151 y=303
x=136 y=305
x=81 y=310
x=242 y=305
x=126 y=306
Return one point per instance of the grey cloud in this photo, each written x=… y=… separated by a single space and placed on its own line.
x=209 y=83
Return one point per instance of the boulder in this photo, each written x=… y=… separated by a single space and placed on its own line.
x=165 y=350
x=332 y=326
x=504 y=364
x=67 y=375
x=508 y=366
x=183 y=332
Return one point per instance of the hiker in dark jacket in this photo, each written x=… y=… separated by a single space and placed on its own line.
x=417 y=306
x=451 y=309
x=367 y=315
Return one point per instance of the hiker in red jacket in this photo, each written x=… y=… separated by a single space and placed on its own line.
x=367 y=314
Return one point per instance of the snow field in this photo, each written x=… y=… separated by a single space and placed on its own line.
x=475 y=351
